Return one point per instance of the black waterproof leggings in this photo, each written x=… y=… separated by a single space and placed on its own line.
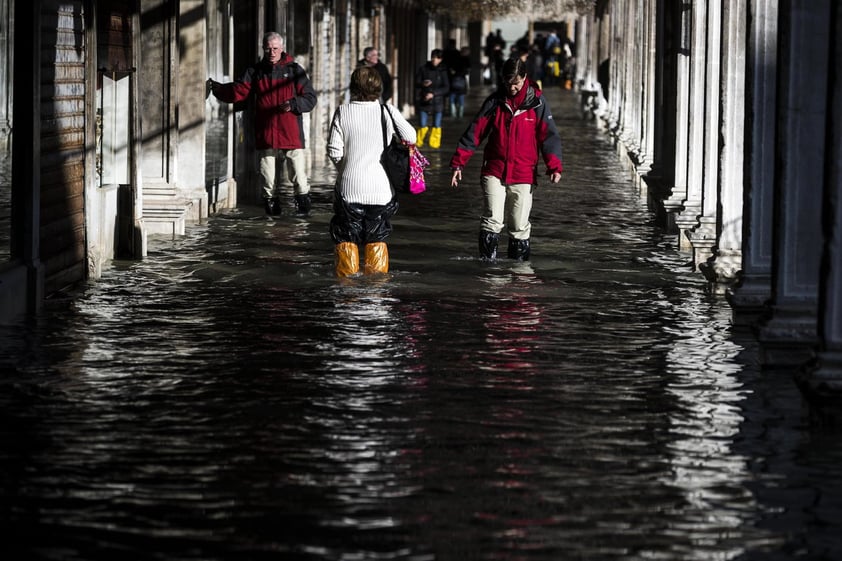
x=361 y=224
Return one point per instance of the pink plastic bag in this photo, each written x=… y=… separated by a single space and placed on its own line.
x=417 y=164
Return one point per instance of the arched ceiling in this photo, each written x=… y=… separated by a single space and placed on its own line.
x=536 y=10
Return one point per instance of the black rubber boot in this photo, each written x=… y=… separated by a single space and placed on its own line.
x=276 y=206
x=519 y=249
x=488 y=244
x=303 y=204
x=267 y=206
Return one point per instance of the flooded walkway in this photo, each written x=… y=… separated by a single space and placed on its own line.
x=228 y=398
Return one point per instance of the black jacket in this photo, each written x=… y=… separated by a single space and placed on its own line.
x=440 y=87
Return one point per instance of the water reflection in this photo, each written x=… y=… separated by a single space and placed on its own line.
x=228 y=398
x=512 y=323
x=704 y=464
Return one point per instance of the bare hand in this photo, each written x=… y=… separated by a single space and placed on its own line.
x=555 y=177
x=285 y=107
x=457 y=177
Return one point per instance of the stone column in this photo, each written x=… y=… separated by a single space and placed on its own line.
x=6 y=69
x=722 y=269
x=687 y=219
x=616 y=54
x=219 y=117
x=821 y=380
x=675 y=203
x=791 y=335
x=628 y=130
x=25 y=292
x=703 y=235
x=638 y=82
x=657 y=111
x=649 y=110
x=754 y=285
x=585 y=68
x=191 y=61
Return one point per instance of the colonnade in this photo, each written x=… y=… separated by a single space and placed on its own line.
x=729 y=115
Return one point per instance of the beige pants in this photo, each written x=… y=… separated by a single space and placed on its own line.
x=295 y=168
x=506 y=204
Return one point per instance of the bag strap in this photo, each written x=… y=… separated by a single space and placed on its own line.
x=383 y=125
x=394 y=124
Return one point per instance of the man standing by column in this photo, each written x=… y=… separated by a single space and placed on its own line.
x=282 y=92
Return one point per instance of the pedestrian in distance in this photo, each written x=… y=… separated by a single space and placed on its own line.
x=282 y=93
x=458 y=63
x=432 y=87
x=534 y=71
x=371 y=57
x=364 y=201
x=498 y=53
x=552 y=54
x=518 y=125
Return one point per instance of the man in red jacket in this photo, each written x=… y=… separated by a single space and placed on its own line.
x=519 y=127
x=282 y=92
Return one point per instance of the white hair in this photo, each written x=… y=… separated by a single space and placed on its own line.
x=269 y=35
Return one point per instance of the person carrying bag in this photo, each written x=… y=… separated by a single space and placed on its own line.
x=364 y=200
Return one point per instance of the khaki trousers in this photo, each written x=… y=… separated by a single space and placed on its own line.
x=295 y=168
x=506 y=204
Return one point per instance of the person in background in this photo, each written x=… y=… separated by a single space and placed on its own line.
x=490 y=47
x=432 y=86
x=569 y=63
x=371 y=58
x=534 y=65
x=499 y=54
x=519 y=127
x=458 y=62
x=364 y=202
x=282 y=93
x=552 y=56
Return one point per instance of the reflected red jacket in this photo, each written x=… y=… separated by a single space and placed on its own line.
x=516 y=139
x=271 y=85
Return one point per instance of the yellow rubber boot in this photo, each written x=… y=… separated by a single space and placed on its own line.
x=376 y=258
x=435 y=137
x=347 y=259
x=422 y=134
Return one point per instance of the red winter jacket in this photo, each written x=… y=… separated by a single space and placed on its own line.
x=515 y=139
x=272 y=85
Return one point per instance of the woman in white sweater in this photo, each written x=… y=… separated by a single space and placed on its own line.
x=364 y=201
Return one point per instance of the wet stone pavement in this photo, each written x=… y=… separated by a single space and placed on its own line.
x=228 y=398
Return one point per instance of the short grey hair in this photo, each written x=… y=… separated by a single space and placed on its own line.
x=269 y=35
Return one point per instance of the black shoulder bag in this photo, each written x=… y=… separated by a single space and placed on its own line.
x=395 y=156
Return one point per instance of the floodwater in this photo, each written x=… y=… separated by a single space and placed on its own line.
x=228 y=398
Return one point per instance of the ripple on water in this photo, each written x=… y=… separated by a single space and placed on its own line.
x=226 y=397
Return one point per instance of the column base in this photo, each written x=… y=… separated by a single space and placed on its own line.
x=789 y=338
x=820 y=381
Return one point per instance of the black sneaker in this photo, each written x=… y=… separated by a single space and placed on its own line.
x=267 y=206
x=276 y=207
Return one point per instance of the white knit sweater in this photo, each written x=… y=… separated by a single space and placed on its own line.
x=355 y=143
